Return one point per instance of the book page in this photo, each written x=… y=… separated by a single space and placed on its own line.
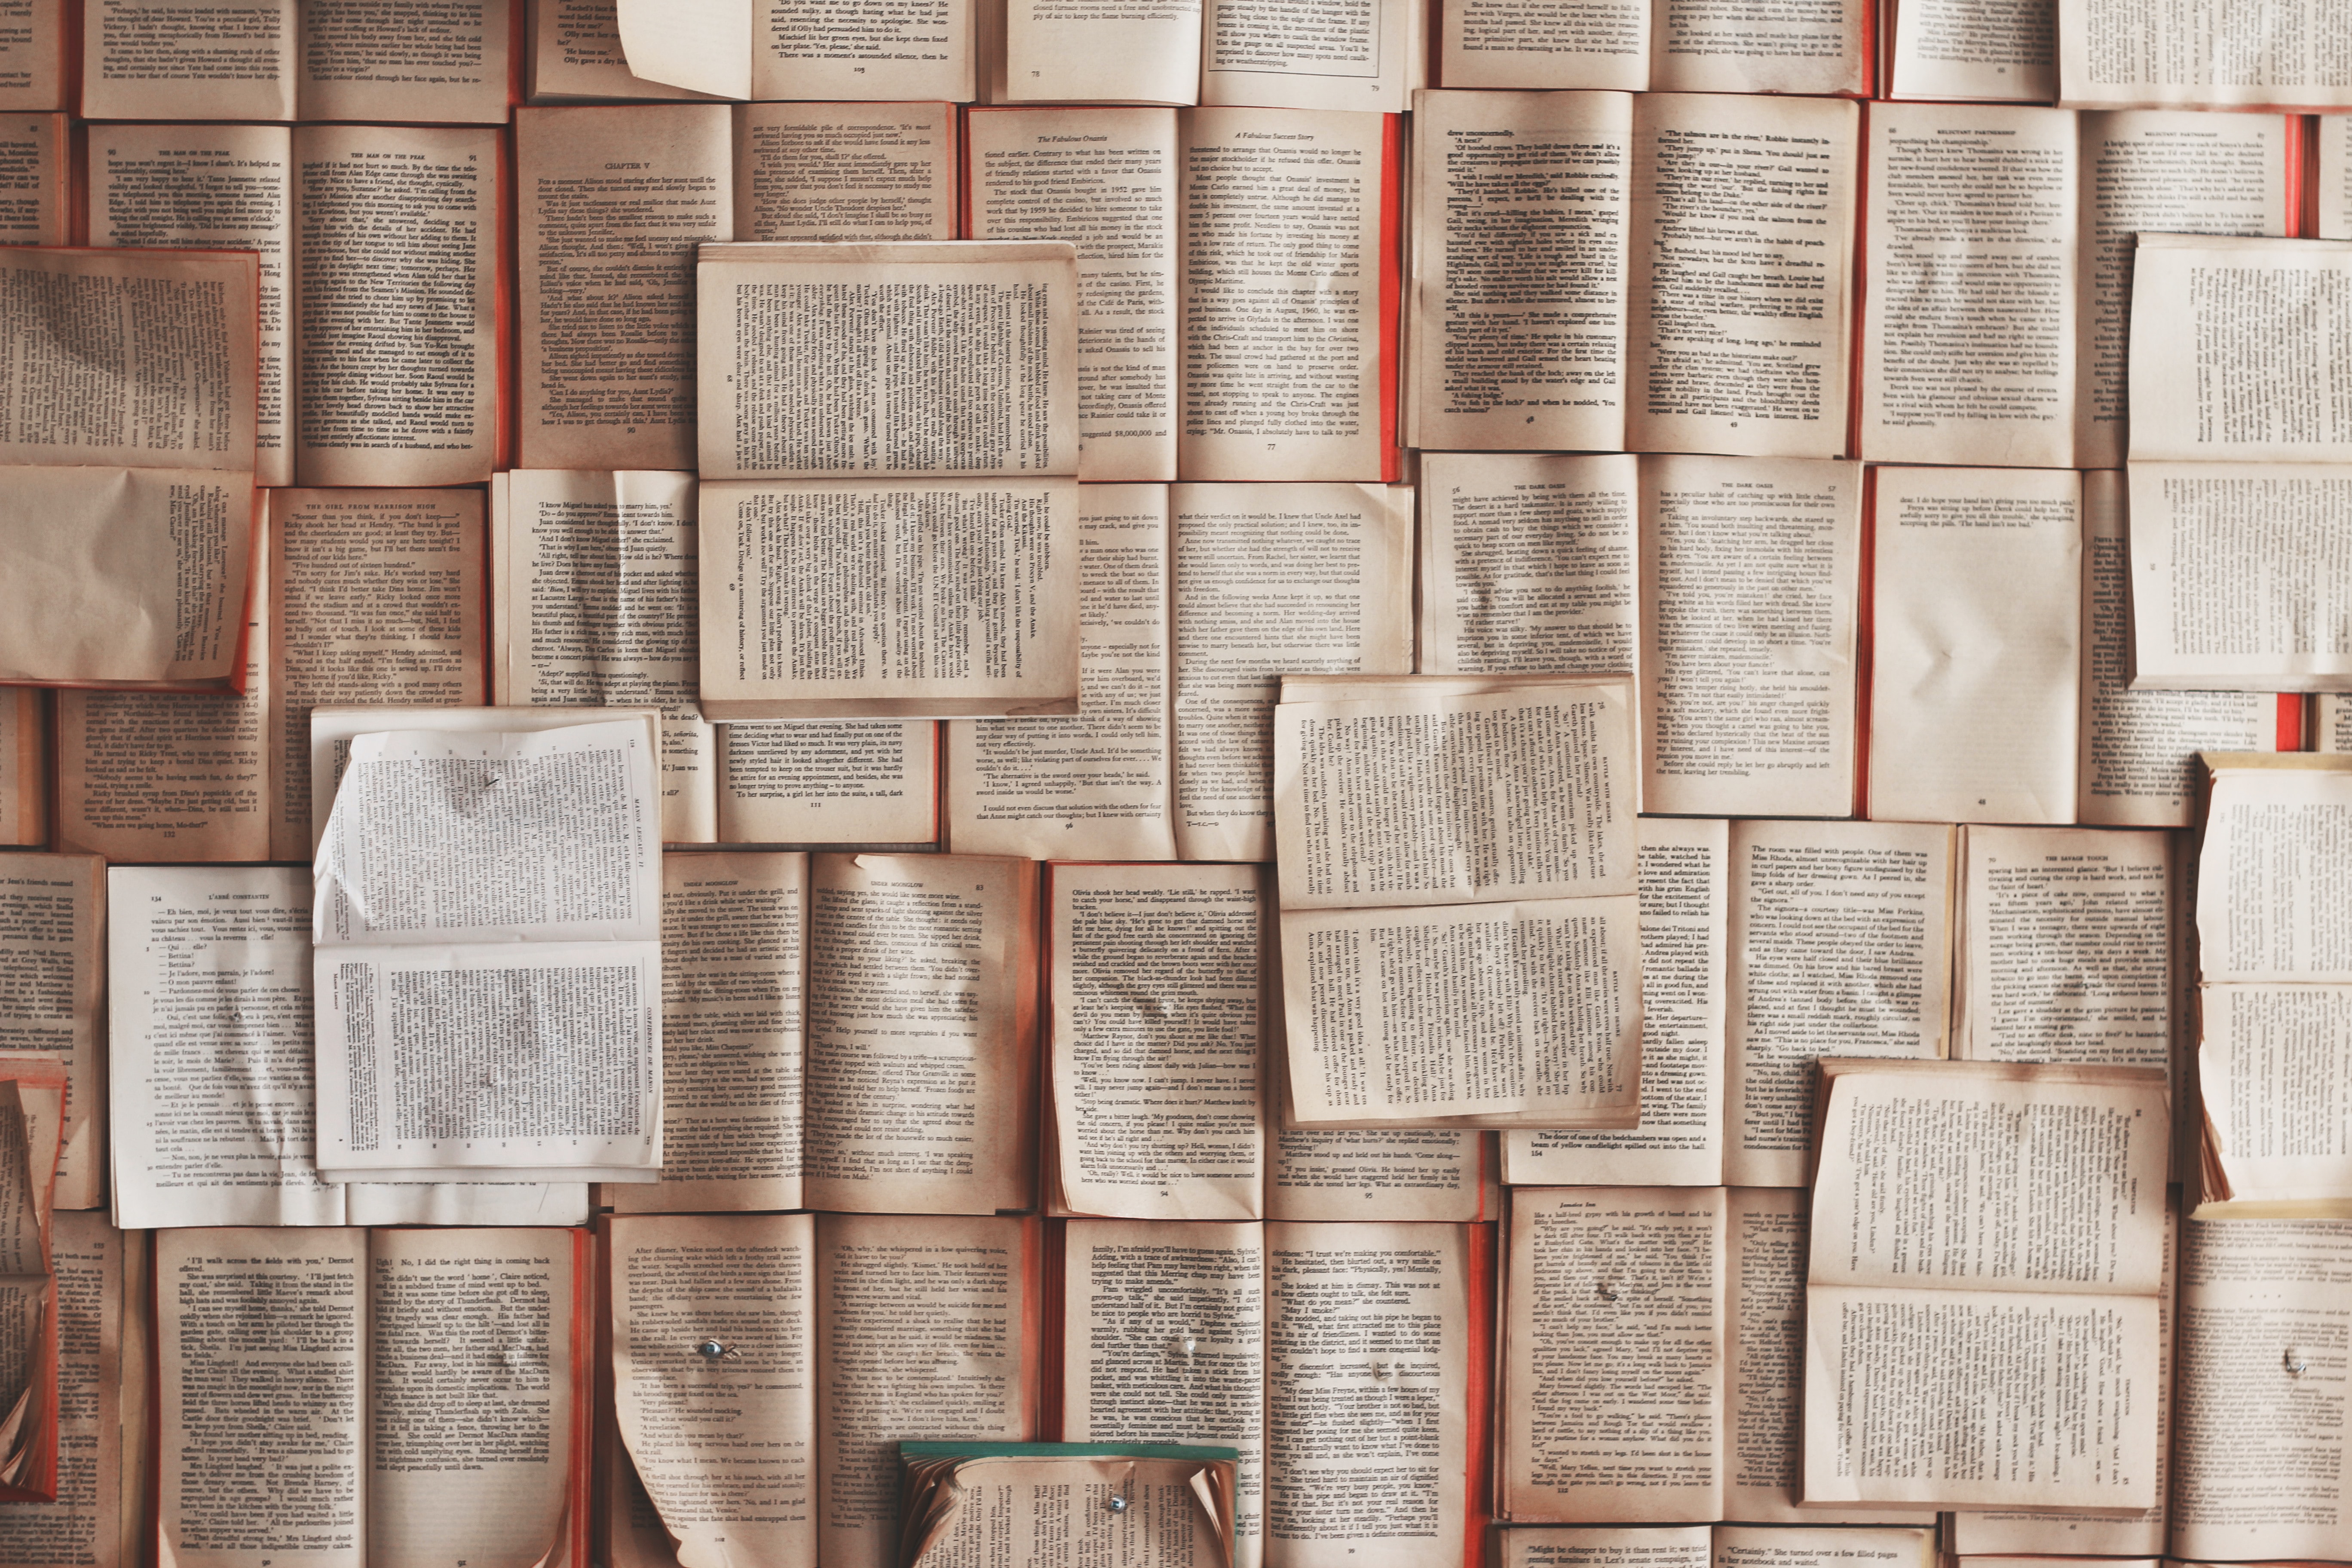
x=209 y=59
x=733 y=961
x=417 y=60
x=293 y=1426
x=2269 y=872
x=193 y=1144
x=1971 y=220
x=52 y=915
x=2331 y=721
x=395 y=287
x=1522 y=1013
x=1612 y=1366
x=1270 y=582
x=1007 y=1511
x=1284 y=371
x=1519 y=286
x=1164 y=1341
x=856 y=172
x=862 y=50
x=212 y=187
x=1739 y=294
x=922 y=1034
x=1598 y=1546
x=613 y=204
x=2117 y=54
x=1527 y=563
x=34 y=171
x=2235 y=585
x=1878 y=897
x=1104 y=180
x=575 y=52
x=881 y=598
x=32 y=59
x=470 y=1386
x=1497 y=44
x=1685 y=868
x=2231 y=349
x=2265 y=1306
x=1706 y=46
x=85 y=1526
x=2277 y=1090
x=2333 y=176
x=1096 y=785
x=1970 y=49
x=1157 y=1043
x=2170 y=170
x=375 y=597
x=1060 y=51
x=1367 y=59
x=2136 y=765
x=724 y=1440
x=1789 y=1545
x=595 y=575
x=807 y=783
x=1368 y=1364
x=924 y=1329
x=1751 y=571
x=1975 y=708
x=24 y=767
x=1390 y=1174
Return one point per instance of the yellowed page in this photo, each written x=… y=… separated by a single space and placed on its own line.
x=84 y=1527
x=1517 y=294
x=1740 y=296
x=24 y=767
x=1388 y=1174
x=844 y=171
x=1368 y=1368
x=862 y=50
x=34 y=172
x=1971 y=220
x=2114 y=54
x=1271 y=581
x=395 y=289
x=1685 y=872
x=2006 y=51
x=922 y=598
x=733 y=963
x=702 y=45
x=209 y=59
x=1060 y=51
x=1527 y=563
x=1367 y=58
x=811 y=783
x=724 y=1442
x=1751 y=571
x=1612 y=1362
x=1105 y=180
x=52 y=918
x=575 y=52
x=613 y=203
x=594 y=577
x=1975 y=706
x=1496 y=1014
x=1706 y=45
x=1598 y=1546
x=1282 y=368
x=293 y=1426
x=469 y=1396
x=376 y=597
x=920 y=1334
x=32 y=59
x=1157 y=1042
x=920 y=1033
x=417 y=60
x=1496 y=43
x=1878 y=897
x=1164 y=1341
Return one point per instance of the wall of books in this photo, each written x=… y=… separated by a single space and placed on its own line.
x=1175 y=783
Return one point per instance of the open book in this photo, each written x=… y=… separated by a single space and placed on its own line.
x=1989 y=51
x=1658 y=46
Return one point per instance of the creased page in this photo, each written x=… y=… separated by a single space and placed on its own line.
x=291 y=1425
x=1157 y=1041
x=1613 y=1355
x=1709 y=45
x=1058 y=50
x=470 y=1340
x=429 y=59
x=84 y=1526
x=1975 y=709
x=1368 y=56
x=207 y=59
x=701 y=45
x=733 y=960
x=53 y=977
x=1104 y=180
x=1841 y=940
x=714 y=1330
x=1527 y=564
x=1165 y=1342
x=1096 y=785
x=844 y=171
x=396 y=243
x=1390 y=1174
x=1273 y=581
x=1005 y=1510
x=810 y=782
x=1971 y=220
x=375 y=597
x=922 y=1333
x=2137 y=765
x=595 y=578
x=614 y=203
x=921 y=1032
x=1599 y=1546
x=1685 y=870
x=1368 y=1367
x=1751 y=573
x=2006 y=51
x=225 y=186
x=210 y=1124
x=1498 y=43
x=1284 y=373
x=1740 y=297
x=864 y=50
x=1517 y=290
x=575 y=52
